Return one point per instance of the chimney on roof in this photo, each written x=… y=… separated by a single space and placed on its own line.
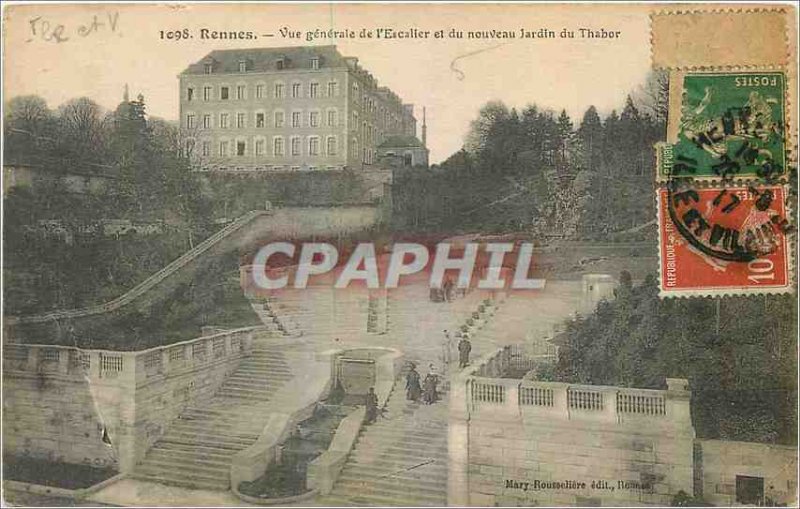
x=125 y=96
x=424 y=129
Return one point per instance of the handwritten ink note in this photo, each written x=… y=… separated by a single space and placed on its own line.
x=50 y=30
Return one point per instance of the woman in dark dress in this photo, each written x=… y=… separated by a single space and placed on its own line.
x=372 y=406
x=413 y=389
x=430 y=394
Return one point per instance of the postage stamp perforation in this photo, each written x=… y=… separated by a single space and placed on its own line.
x=720 y=10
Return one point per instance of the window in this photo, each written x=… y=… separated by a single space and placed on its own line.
x=295 y=90
x=355 y=120
x=242 y=66
x=259 y=91
x=277 y=146
x=189 y=147
x=333 y=90
x=279 y=91
x=313 y=146
x=312 y=168
x=260 y=147
x=313 y=119
x=315 y=63
x=313 y=88
x=296 y=115
x=280 y=64
x=331 y=145
x=240 y=120
x=206 y=148
x=259 y=120
x=223 y=149
x=208 y=68
x=223 y=120
x=240 y=148
x=295 y=168
x=295 y=146
x=331 y=118
x=206 y=93
x=190 y=121
x=189 y=94
x=206 y=121
x=279 y=119
x=354 y=148
x=223 y=93
x=241 y=92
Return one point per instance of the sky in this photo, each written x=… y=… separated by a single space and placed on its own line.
x=101 y=47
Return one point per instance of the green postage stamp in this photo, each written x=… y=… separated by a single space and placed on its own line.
x=731 y=127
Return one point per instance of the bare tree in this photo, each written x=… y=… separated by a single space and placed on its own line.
x=84 y=127
x=653 y=96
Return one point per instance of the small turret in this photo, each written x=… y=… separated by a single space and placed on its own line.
x=424 y=129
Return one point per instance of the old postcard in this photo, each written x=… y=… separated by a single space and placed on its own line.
x=399 y=254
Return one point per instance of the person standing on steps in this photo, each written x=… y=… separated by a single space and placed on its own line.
x=464 y=348
x=430 y=395
x=447 y=349
x=372 y=406
x=413 y=389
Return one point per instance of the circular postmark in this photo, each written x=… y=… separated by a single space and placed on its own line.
x=723 y=174
x=737 y=223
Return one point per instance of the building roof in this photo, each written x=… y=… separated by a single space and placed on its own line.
x=401 y=141
x=266 y=59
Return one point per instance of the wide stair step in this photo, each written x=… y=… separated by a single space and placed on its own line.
x=182 y=479
x=401 y=460
x=197 y=449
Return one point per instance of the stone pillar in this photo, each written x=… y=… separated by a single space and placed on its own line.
x=458 y=443
x=33 y=359
x=63 y=361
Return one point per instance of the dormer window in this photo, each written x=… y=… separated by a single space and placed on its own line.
x=315 y=63
x=208 y=67
x=242 y=66
x=280 y=64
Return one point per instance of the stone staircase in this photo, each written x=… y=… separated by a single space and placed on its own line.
x=197 y=449
x=400 y=460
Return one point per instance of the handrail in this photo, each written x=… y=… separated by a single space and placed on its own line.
x=151 y=281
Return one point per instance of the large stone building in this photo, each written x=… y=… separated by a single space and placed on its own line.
x=283 y=109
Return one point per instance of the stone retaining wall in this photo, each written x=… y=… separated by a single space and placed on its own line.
x=107 y=408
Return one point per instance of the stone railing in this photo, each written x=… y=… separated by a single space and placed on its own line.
x=153 y=280
x=488 y=394
x=129 y=368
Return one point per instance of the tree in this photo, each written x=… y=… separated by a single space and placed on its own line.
x=83 y=129
x=29 y=128
x=653 y=96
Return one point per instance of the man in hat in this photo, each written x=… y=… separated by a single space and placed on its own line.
x=464 y=348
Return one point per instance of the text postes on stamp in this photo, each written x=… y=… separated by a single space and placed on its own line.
x=723 y=241
x=731 y=126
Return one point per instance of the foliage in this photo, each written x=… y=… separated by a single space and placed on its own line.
x=738 y=353
x=57 y=252
x=534 y=170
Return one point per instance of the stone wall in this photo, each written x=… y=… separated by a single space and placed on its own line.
x=600 y=445
x=107 y=408
x=721 y=461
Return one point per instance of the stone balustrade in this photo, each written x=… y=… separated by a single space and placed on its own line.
x=125 y=368
x=489 y=394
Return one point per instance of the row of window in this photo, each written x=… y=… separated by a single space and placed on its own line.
x=226 y=148
x=240 y=92
x=245 y=65
x=260 y=119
